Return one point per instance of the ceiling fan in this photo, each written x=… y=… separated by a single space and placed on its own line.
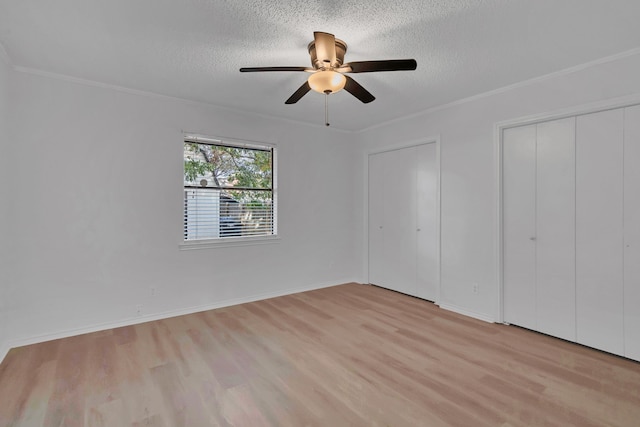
x=328 y=68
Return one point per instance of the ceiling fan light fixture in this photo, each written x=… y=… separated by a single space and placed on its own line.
x=327 y=81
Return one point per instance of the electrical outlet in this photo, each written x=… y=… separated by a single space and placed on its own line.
x=139 y=309
x=152 y=290
x=476 y=288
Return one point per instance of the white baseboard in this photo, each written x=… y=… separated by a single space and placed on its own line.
x=469 y=313
x=158 y=316
x=4 y=350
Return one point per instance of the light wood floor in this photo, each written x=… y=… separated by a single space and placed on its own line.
x=351 y=355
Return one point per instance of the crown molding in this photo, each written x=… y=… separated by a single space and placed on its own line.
x=524 y=83
x=154 y=95
x=567 y=71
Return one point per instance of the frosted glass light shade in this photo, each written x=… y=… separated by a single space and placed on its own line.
x=323 y=81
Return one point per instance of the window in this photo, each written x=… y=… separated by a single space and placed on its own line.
x=228 y=190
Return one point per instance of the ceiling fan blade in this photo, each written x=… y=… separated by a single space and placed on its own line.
x=258 y=69
x=358 y=91
x=385 y=65
x=302 y=91
x=325 y=48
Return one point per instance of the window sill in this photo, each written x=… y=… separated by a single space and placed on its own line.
x=228 y=242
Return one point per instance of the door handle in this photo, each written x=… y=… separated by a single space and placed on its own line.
x=533 y=239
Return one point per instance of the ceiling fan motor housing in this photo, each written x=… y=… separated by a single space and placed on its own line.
x=341 y=49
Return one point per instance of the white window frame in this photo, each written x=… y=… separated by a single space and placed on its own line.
x=233 y=241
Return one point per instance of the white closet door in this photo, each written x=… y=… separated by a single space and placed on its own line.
x=400 y=220
x=519 y=208
x=555 y=229
x=632 y=232
x=427 y=221
x=403 y=220
x=376 y=219
x=599 y=230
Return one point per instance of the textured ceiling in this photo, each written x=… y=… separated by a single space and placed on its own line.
x=193 y=48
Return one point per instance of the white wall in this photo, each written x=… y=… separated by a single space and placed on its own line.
x=468 y=162
x=5 y=140
x=100 y=217
x=99 y=220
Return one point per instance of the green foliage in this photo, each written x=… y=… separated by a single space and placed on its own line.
x=229 y=167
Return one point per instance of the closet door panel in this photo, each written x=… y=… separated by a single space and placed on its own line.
x=519 y=207
x=599 y=230
x=427 y=221
x=632 y=232
x=400 y=220
x=555 y=229
x=376 y=219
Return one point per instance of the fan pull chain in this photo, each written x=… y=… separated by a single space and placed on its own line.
x=326 y=107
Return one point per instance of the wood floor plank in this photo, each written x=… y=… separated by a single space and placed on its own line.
x=349 y=355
